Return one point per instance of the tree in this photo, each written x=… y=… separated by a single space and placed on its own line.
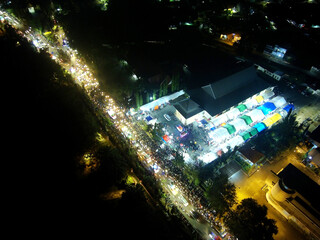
x=289 y=130
x=192 y=173
x=175 y=81
x=137 y=99
x=249 y=221
x=178 y=161
x=221 y=195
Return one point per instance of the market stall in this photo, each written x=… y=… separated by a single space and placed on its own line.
x=267 y=108
x=289 y=107
x=251 y=103
x=256 y=115
x=236 y=141
x=231 y=129
x=219 y=134
x=278 y=101
x=233 y=113
x=267 y=94
x=242 y=107
x=252 y=131
x=272 y=120
x=275 y=117
x=239 y=124
x=245 y=135
x=260 y=126
x=259 y=99
x=247 y=119
x=219 y=120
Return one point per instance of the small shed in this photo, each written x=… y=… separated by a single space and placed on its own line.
x=251 y=154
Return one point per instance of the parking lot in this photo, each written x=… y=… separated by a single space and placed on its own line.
x=192 y=144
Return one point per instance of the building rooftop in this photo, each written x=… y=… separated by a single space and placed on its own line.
x=252 y=154
x=227 y=92
x=315 y=136
x=294 y=179
x=188 y=108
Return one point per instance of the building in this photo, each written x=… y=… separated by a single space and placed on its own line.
x=299 y=196
x=212 y=100
x=250 y=154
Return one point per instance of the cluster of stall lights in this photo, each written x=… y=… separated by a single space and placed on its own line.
x=84 y=77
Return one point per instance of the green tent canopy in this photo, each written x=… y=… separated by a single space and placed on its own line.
x=247 y=119
x=253 y=131
x=231 y=129
x=245 y=135
x=242 y=107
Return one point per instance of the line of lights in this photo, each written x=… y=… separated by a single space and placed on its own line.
x=83 y=76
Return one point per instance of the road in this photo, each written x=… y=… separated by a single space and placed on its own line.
x=83 y=76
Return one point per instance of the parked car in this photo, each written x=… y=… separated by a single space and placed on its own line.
x=167 y=117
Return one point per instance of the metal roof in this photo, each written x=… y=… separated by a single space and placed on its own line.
x=228 y=92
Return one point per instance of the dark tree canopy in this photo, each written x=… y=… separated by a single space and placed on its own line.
x=222 y=194
x=249 y=221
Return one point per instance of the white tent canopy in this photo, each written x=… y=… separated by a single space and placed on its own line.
x=219 y=135
x=209 y=157
x=162 y=100
x=233 y=113
x=239 y=124
x=224 y=147
x=256 y=115
x=267 y=94
x=236 y=141
x=250 y=103
x=278 y=101
x=220 y=119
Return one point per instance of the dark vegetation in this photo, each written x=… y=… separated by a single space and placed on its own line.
x=249 y=221
x=54 y=124
x=51 y=125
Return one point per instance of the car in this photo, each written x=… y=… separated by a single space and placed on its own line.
x=167 y=117
x=180 y=128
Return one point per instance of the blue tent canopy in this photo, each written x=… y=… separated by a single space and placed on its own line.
x=204 y=122
x=267 y=108
x=149 y=118
x=288 y=107
x=260 y=126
